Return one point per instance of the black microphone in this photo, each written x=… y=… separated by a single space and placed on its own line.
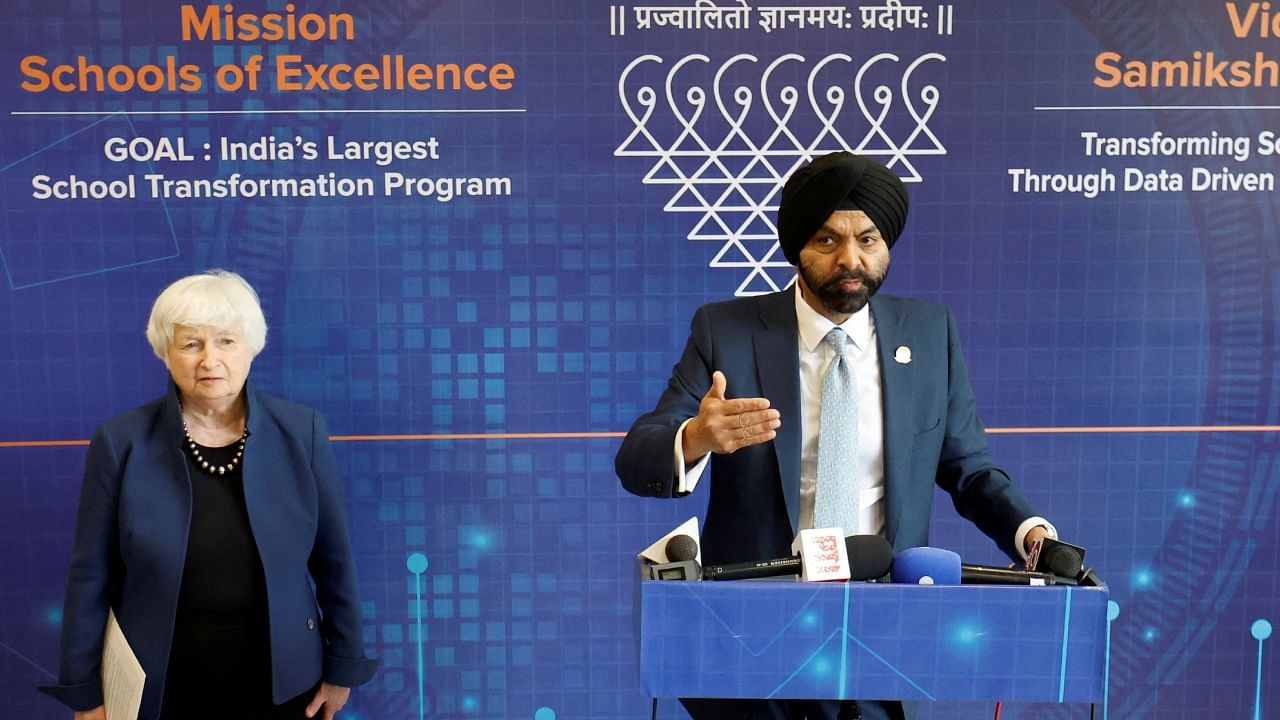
x=1089 y=578
x=1056 y=557
x=870 y=557
x=681 y=547
x=992 y=575
x=1064 y=560
x=749 y=570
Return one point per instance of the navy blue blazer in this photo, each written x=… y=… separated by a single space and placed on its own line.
x=131 y=538
x=932 y=434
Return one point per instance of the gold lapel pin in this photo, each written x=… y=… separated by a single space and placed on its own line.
x=902 y=355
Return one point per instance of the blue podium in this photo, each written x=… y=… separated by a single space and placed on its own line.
x=763 y=639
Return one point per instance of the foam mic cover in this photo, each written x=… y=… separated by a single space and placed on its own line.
x=926 y=566
x=681 y=547
x=1056 y=557
x=870 y=556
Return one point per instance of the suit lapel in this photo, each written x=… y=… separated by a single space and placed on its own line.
x=259 y=459
x=175 y=453
x=778 y=367
x=172 y=478
x=897 y=395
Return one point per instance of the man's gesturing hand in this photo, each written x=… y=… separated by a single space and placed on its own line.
x=723 y=426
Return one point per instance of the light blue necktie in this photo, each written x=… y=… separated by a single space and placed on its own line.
x=836 y=504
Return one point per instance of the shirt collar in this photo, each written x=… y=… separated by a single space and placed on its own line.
x=814 y=327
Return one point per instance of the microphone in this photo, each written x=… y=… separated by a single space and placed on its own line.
x=935 y=566
x=1089 y=578
x=681 y=551
x=1056 y=557
x=681 y=547
x=926 y=566
x=817 y=554
x=992 y=575
x=751 y=570
x=869 y=556
x=824 y=554
x=1064 y=560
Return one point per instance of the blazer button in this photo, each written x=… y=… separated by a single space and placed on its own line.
x=311 y=624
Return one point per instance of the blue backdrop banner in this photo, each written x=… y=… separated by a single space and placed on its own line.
x=480 y=228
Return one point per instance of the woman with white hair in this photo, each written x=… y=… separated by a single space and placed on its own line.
x=205 y=519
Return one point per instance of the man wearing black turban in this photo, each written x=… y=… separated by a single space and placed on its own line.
x=747 y=395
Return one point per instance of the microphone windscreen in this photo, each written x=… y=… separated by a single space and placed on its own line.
x=680 y=548
x=1061 y=559
x=870 y=556
x=926 y=566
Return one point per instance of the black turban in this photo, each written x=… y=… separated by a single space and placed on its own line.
x=839 y=181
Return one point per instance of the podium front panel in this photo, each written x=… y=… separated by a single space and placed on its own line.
x=872 y=641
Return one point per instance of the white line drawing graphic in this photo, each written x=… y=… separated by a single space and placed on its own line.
x=725 y=138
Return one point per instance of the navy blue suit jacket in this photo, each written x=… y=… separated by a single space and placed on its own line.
x=932 y=434
x=131 y=538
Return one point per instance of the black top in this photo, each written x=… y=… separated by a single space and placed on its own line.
x=223 y=572
x=221 y=641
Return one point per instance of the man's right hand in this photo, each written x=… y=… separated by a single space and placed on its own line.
x=98 y=713
x=724 y=426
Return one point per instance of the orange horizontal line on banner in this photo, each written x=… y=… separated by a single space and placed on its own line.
x=41 y=443
x=1096 y=108
x=435 y=437
x=355 y=111
x=479 y=436
x=1080 y=430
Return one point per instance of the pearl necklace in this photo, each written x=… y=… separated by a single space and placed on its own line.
x=205 y=465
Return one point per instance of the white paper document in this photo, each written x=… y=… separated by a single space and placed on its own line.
x=122 y=675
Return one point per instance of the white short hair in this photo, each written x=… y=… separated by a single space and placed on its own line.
x=216 y=298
